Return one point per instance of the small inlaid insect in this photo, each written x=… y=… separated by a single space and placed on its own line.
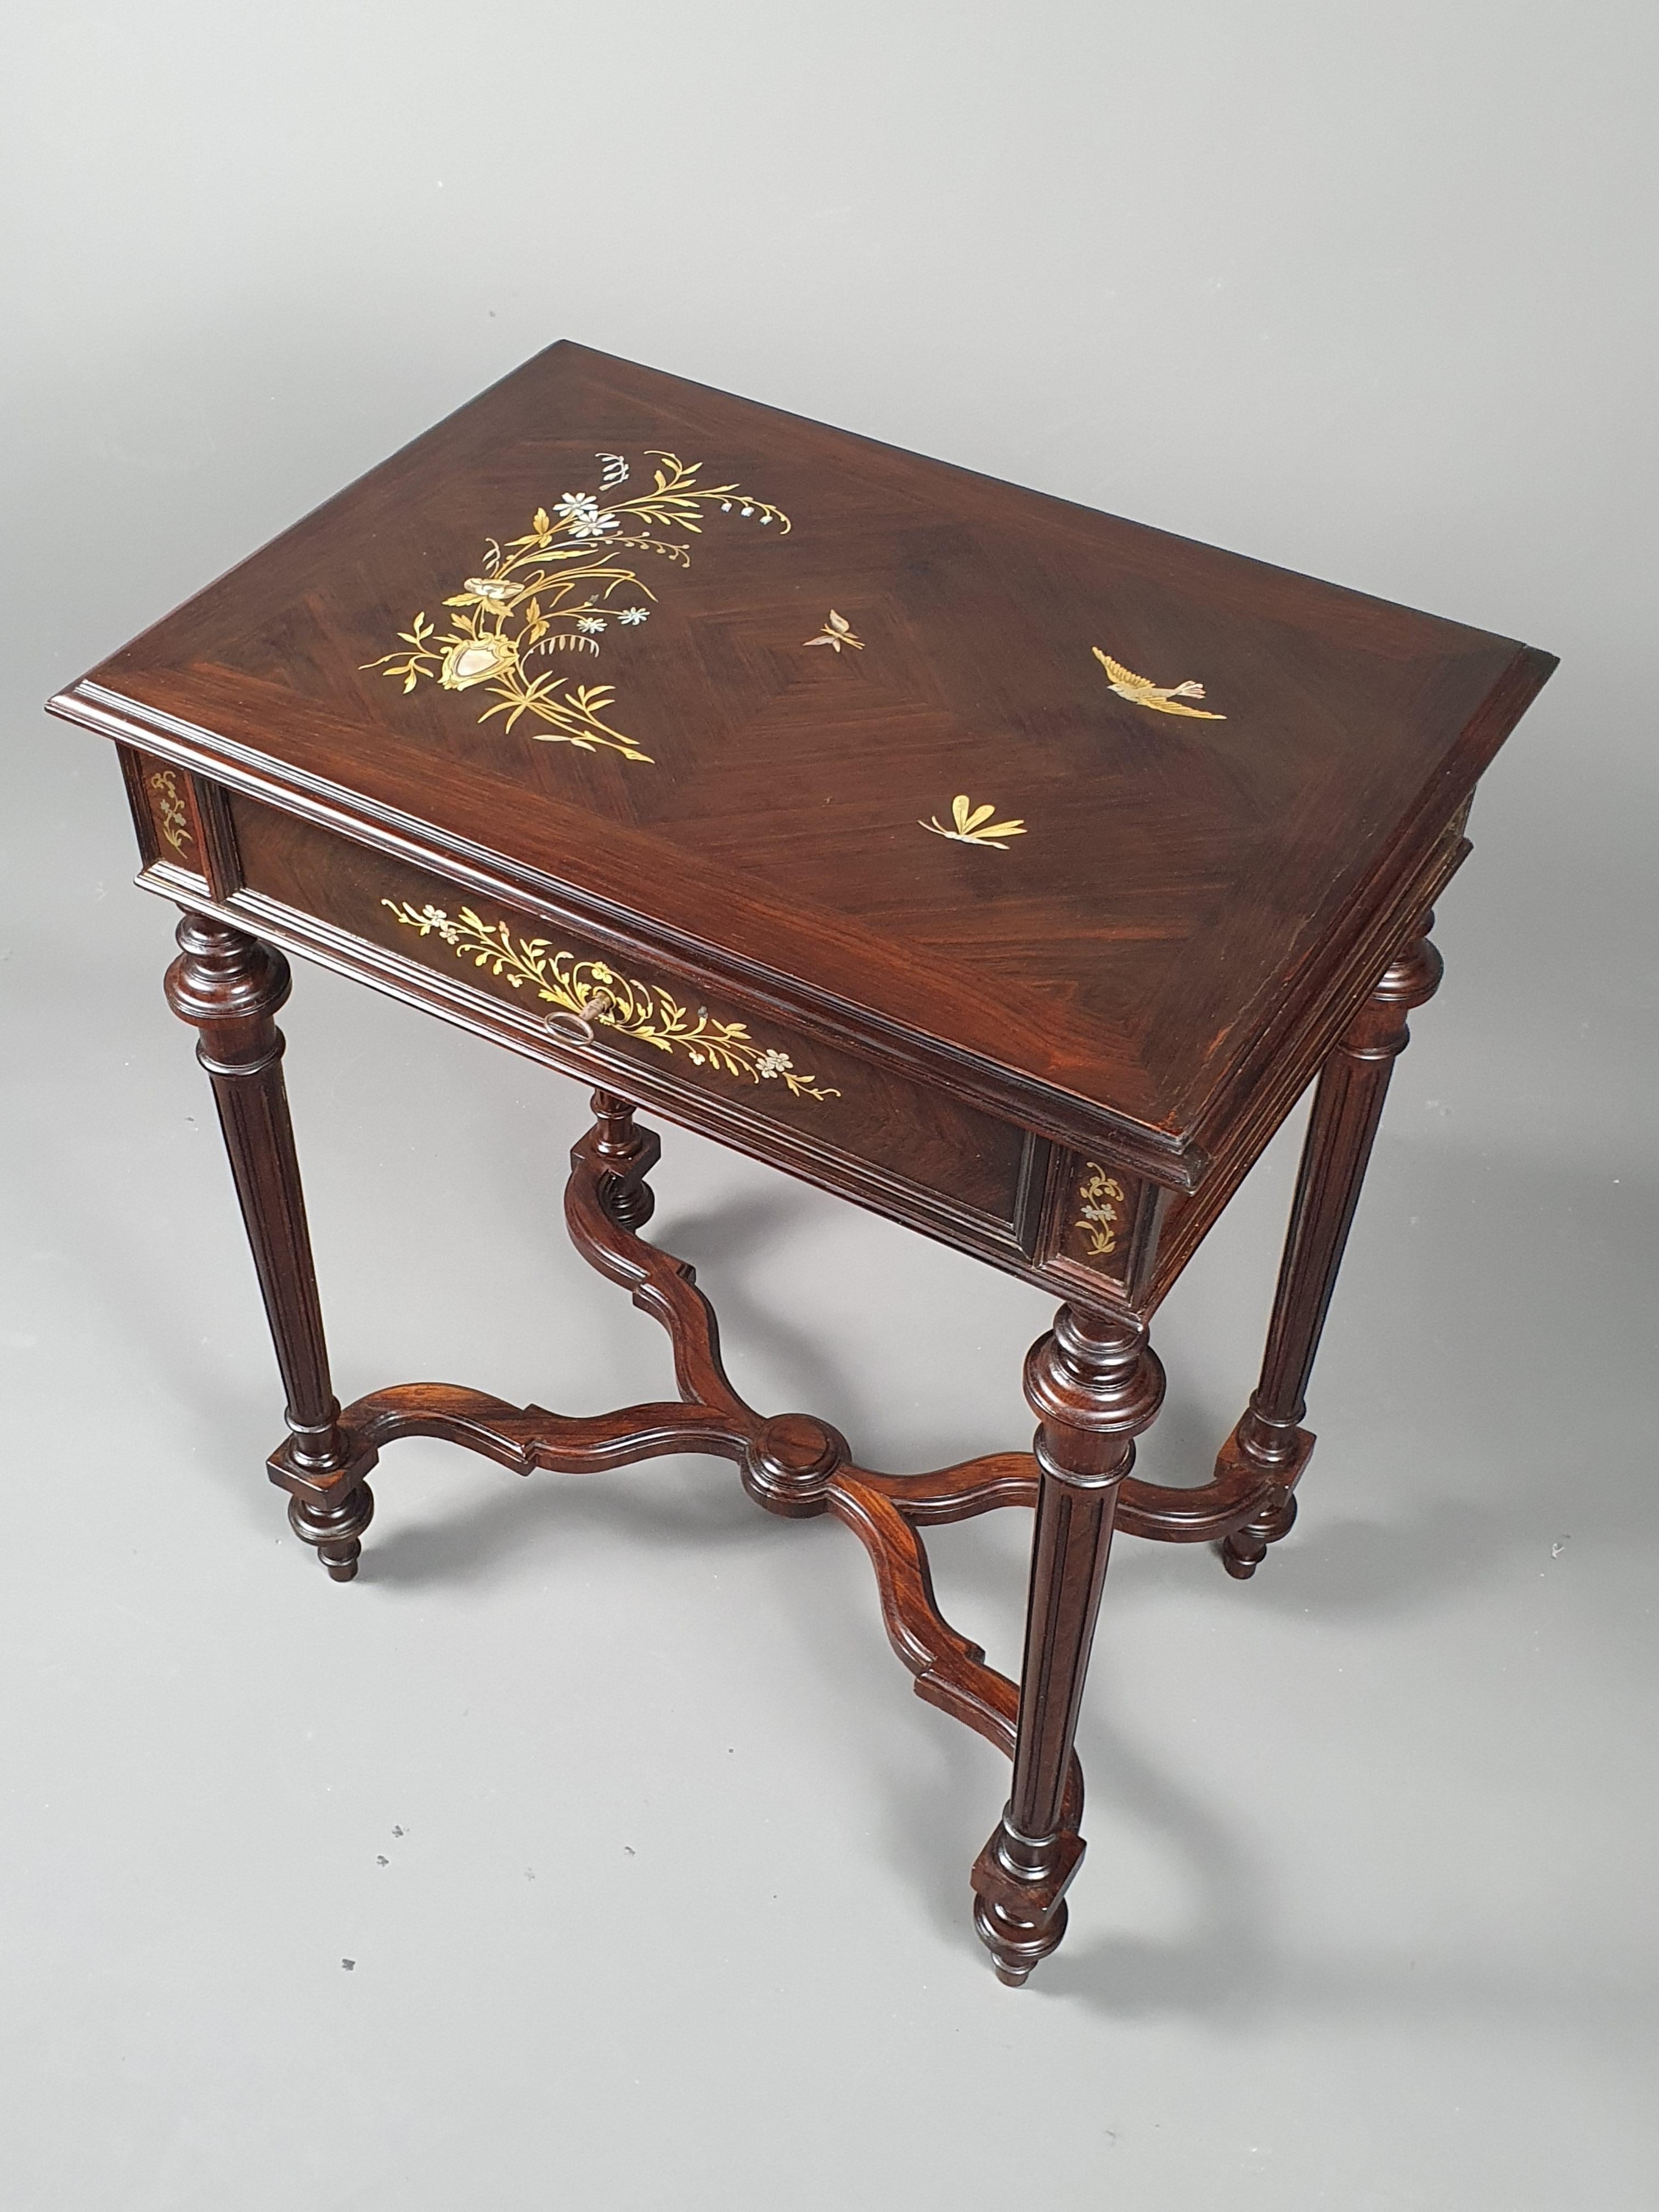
x=838 y=632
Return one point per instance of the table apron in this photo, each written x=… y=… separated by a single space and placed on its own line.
x=580 y=998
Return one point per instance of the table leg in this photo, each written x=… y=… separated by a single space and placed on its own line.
x=229 y=986
x=1348 y=1107
x=1094 y=1385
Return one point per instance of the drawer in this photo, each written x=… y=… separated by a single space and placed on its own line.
x=615 y=1014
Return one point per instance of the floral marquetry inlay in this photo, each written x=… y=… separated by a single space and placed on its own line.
x=557 y=591
x=172 y=816
x=590 y=994
x=974 y=825
x=1099 y=1196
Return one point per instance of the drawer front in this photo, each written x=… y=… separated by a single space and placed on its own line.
x=612 y=1011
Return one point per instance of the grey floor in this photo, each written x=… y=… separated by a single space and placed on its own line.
x=651 y=1871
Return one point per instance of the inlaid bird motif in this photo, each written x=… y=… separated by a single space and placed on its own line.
x=1162 y=698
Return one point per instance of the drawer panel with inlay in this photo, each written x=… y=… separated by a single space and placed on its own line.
x=612 y=1013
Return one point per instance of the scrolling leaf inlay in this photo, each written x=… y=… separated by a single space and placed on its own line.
x=1099 y=1196
x=593 y=993
x=174 y=821
x=554 y=591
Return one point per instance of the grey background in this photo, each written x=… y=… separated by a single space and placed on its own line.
x=677 y=1913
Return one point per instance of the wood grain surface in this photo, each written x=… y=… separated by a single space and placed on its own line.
x=1180 y=886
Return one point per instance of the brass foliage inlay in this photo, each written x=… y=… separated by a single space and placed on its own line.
x=554 y=593
x=592 y=993
x=174 y=823
x=1162 y=698
x=1100 y=1196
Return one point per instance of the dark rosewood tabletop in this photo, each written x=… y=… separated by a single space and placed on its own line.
x=1086 y=815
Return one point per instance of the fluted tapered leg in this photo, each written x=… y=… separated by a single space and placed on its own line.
x=1094 y=1385
x=1348 y=1107
x=229 y=986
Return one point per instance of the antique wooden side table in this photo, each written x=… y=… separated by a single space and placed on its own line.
x=806 y=793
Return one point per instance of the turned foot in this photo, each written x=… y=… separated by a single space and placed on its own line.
x=1243 y=1551
x=1020 y=1897
x=1016 y=1946
x=336 y=1531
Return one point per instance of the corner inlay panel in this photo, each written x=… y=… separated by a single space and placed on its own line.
x=163 y=801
